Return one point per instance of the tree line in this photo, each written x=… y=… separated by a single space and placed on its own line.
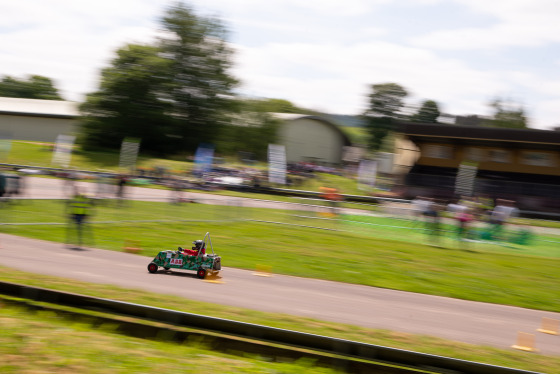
x=386 y=104
x=178 y=92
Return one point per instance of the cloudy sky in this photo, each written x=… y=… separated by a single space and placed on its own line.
x=320 y=54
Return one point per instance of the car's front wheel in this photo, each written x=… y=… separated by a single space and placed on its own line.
x=152 y=267
x=201 y=273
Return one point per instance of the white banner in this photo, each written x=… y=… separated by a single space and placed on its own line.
x=367 y=172
x=129 y=153
x=276 y=164
x=63 y=150
x=464 y=181
x=385 y=162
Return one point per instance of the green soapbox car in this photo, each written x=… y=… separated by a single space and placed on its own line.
x=196 y=258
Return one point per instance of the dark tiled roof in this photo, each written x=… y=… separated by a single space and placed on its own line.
x=479 y=133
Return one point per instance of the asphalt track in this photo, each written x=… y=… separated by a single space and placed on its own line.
x=452 y=319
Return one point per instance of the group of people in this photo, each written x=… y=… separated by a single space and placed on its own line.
x=467 y=210
x=107 y=185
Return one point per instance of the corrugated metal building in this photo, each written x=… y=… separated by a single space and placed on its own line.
x=37 y=120
x=309 y=138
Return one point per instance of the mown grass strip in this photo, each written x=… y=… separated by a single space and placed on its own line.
x=213 y=341
x=45 y=341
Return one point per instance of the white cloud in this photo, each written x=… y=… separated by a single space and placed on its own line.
x=71 y=42
x=525 y=23
x=322 y=54
x=336 y=77
x=283 y=8
x=549 y=113
x=531 y=82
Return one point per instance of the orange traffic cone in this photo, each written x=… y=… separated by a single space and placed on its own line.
x=550 y=326
x=525 y=342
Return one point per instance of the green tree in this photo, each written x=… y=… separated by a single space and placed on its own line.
x=199 y=88
x=274 y=106
x=250 y=132
x=507 y=115
x=127 y=103
x=34 y=87
x=427 y=113
x=173 y=95
x=251 y=127
x=385 y=103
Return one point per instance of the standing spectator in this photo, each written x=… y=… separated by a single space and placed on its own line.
x=79 y=209
x=69 y=183
x=502 y=213
x=432 y=218
x=457 y=207
x=485 y=204
x=464 y=220
x=176 y=186
x=122 y=180
x=421 y=205
x=462 y=213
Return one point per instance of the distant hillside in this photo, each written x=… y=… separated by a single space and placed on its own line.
x=344 y=120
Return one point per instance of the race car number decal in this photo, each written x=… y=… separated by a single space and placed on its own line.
x=176 y=261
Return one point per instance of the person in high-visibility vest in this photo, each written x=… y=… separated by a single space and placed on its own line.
x=79 y=209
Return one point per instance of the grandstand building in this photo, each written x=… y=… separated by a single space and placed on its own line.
x=518 y=164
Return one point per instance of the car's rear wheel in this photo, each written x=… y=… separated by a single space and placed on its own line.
x=152 y=267
x=201 y=273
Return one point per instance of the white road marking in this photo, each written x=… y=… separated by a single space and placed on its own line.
x=88 y=274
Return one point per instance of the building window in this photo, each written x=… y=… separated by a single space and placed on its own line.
x=537 y=159
x=439 y=151
x=498 y=155
x=474 y=154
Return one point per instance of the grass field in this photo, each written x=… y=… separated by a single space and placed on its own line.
x=41 y=154
x=42 y=342
x=526 y=276
x=370 y=250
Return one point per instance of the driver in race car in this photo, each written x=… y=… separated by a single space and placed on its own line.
x=198 y=245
